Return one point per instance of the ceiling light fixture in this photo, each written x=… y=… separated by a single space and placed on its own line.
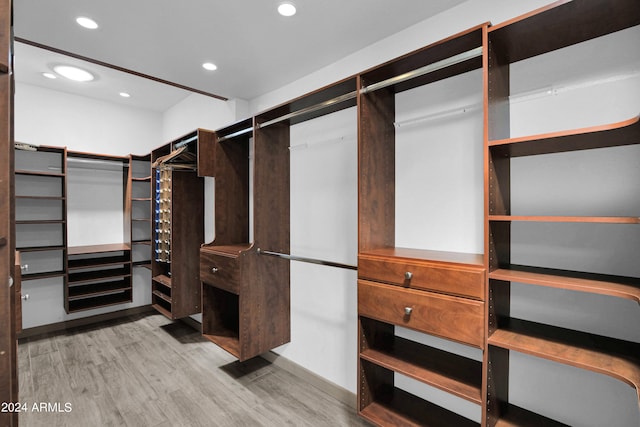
x=49 y=75
x=85 y=22
x=286 y=9
x=124 y=94
x=74 y=73
x=210 y=66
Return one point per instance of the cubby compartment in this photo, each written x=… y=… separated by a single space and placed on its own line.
x=221 y=325
x=98 y=276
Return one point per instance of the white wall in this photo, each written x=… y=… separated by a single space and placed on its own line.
x=46 y=117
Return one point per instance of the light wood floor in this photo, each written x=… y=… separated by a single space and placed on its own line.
x=149 y=371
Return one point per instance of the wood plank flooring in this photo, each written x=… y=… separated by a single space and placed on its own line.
x=148 y=371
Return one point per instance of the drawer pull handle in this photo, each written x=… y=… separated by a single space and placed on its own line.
x=25 y=297
x=214 y=270
x=408 y=275
x=407 y=311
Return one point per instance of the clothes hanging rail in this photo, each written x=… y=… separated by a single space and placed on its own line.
x=310 y=109
x=305 y=259
x=234 y=134
x=439 y=65
x=185 y=142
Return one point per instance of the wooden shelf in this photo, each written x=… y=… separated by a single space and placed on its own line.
x=514 y=416
x=141 y=199
x=615 y=358
x=395 y=407
x=576 y=219
x=75 y=264
x=226 y=339
x=454 y=374
x=166 y=313
x=163 y=280
x=40 y=197
x=40 y=221
x=615 y=286
x=100 y=301
x=163 y=296
x=41 y=248
x=40 y=173
x=618 y=134
x=142 y=179
x=43 y=275
x=90 y=276
x=227 y=250
x=561 y=24
x=95 y=249
x=80 y=291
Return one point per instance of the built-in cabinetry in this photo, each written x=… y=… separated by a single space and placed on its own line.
x=41 y=213
x=432 y=292
x=525 y=223
x=178 y=226
x=98 y=276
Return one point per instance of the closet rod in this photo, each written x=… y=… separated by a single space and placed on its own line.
x=309 y=260
x=185 y=142
x=310 y=109
x=234 y=134
x=439 y=65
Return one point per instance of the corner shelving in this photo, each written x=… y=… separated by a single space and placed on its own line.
x=534 y=36
x=138 y=210
x=40 y=200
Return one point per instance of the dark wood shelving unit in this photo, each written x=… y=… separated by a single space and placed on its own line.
x=40 y=201
x=138 y=227
x=432 y=292
x=557 y=26
x=98 y=276
x=177 y=225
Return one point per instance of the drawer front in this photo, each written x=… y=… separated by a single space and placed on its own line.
x=221 y=271
x=454 y=280
x=455 y=318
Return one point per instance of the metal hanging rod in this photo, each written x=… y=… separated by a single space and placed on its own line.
x=305 y=259
x=234 y=134
x=310 y=109
x=185 y=142
x=439 y=65
x=453 y=60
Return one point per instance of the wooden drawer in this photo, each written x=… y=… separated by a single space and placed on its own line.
x=455 y=318
x=432 y=276
x=222 y=271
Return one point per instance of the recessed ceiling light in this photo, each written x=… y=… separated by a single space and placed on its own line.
x=209 y=66
x=124 y=94
x=87 y=22
x=287 y=9
x=74 y=73
x=49 y=75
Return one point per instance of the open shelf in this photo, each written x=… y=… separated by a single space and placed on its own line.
x=590 y=219
x=163 y=280
x=618 y=134
x=391 y=406
x=221 y=325
x=40 y=173
x=616 y=358
x=103 y=288
x=43 y=275
x=100 y=301
x=89 y=276
x=615 y=286
x=515 y=416
x=74 y=264
x=452 y=373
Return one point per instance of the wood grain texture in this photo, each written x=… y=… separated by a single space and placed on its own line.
x=148 y=371
x=454 y=318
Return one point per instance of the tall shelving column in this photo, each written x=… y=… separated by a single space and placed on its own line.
x=41 y=215
x=178 y=226
x=511 y=215
x=138 y=210
x=431 y=292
